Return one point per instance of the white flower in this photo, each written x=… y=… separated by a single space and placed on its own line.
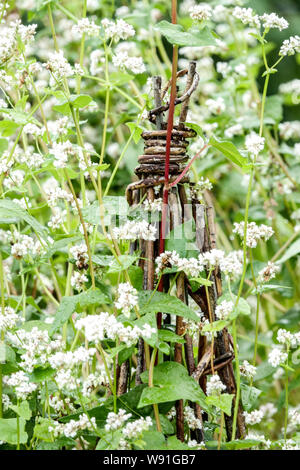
x=133 y=230
x=287 y=338
x=80 y=254
x=118 y=30
x=274 y=21
x=57 y=219
x=134 y=64
x=78 y=280
x=134 y=429
x=247 y=16
x=254 y=232
x=190 y=418
x=61 y=152
x=215 y=386
x=290 y=46
x=216 y=106
x=201 y=12
x=268 y=272
x=254 y=143
x=116 y=420
x=230 y=132
x=277 y=357
x=127 y=298
x=248 y=370
x=289 y=130
x=224 y=309
x=85 y=26
x=59 y=65
x=8 y=319
x=254 y=417
x=20 y=383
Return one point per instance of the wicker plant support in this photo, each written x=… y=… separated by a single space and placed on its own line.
x=149 y=185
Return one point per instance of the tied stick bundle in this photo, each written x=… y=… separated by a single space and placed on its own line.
x=181 y=208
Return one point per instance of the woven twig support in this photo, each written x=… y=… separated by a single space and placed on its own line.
x=181 y=209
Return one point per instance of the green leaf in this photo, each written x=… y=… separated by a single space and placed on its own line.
x=136 y=130
x=243 y=308
x=215 y=326
x=69 y=304
x=165 y=303
x=229 y=150
x=202 y=281
x=249 y=396
x=41 y=374
x=196 y=128
x=22 y=410
x=3 y=145
x=293 y=250
x=8 y=128
x=8 y=431
x=77 y=102
x=223 y=402
x=192 y=38
x=41 y=429
x=151 y=440
x=241 y=444
x=9 y=209
x=171 y=382
x=170 y=336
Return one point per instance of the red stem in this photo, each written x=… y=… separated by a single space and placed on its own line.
x=168 y=148
x=179 y=178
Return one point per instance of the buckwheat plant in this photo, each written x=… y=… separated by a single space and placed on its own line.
x=75 y=96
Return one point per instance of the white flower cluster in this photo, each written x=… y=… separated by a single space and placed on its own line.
x=201 y=12
x=254 y=143
x=78 y=280
x=216 y=106
x=20 y=383
x=115 y=421
x=86 y=26
x=277 y=357
x=224 y=309
x=289 y=130
x=236 y=129
x=93 y=381
x=59 y=66
x=190 y=418
x=247 y=370
x=268 y=21
x=247 y=16
x=127 y=298
x=254 y=232
x=287 y=338
x=80 y=254
x=134 y=64
x=61 y=406
x=57 y=219
x=61 y=152
x=215 y=386
x=70 y=359
x=290 y=46
x=274 y=21
x=153 y=206
x=23 y=245
x=134 y=429
x=118 y=30
x=231 y=264
x=72 y=427
x=8 y=319
x=203 y=185
x=133 y=230
x=102 y=326
x=253 y=417
x=37 y=346
x=268 y=272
